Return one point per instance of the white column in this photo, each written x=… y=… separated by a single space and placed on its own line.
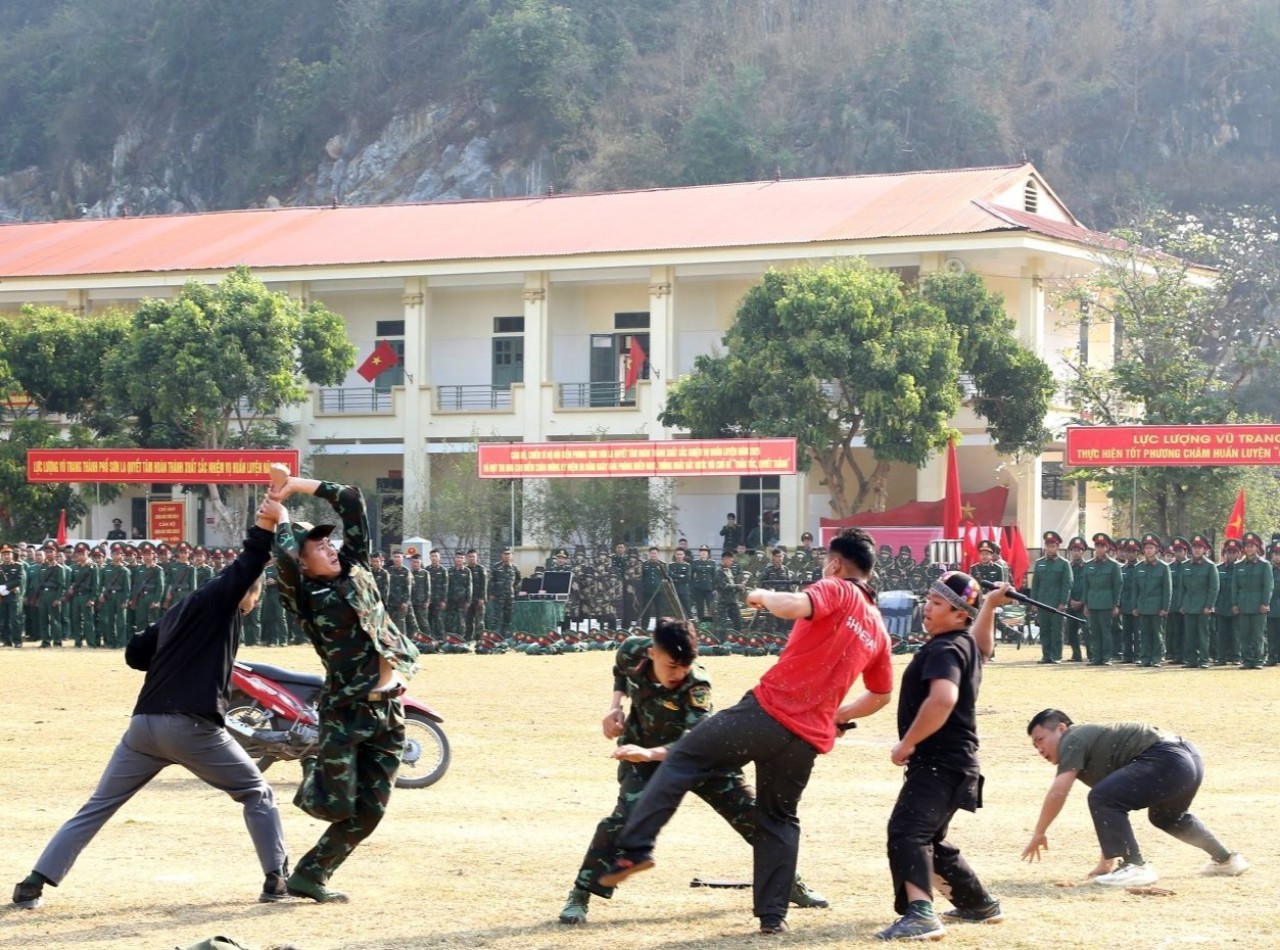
x=537 y=361
x=662 y=345
x=931 y=480
x=1031 y=306
x=1028 y=515
x=793 y=509
x=413 y=414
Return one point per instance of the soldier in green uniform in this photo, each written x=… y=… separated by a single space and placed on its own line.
x=399 y=592
x=114 y=589
x=702 y=585
x=274 y=631
x=609 y=590
x=728 y=590
x=81 y=592
x=1125 y=631
x=1051 y=580
x=730 y=534
x=669 y=693
x=438 y=577
x=457 y=597
x=479 y=594
x=51 y=584
x=989 y=567
x=30 y=610
x=13 y=594
x=631 y=583
x=1173 y=624
x=1076 y=632
x=1152 y=595
x=148 y=588
x=380 y=575
x=202 y=569
x=1101 y=594
x=653 y=601
x=504 y=581
x=680 y=571
x=579 y=606
x=1223 y=645
x=775 y=577
x=180 y=578
x=420 y=598
x=798 y=561
x=1200 y=583
x=367 y=664
x=1273 y=615
x=1252 y=587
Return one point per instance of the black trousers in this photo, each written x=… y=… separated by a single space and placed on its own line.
x=1164 y=780
x=919 y=852
x=729 y=740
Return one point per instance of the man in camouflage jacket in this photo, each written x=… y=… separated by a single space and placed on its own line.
x=367 y=661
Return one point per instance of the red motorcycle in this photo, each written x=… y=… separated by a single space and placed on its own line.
x=272 y=714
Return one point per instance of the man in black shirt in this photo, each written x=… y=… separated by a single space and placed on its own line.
x=187 y=655
x=938 y=746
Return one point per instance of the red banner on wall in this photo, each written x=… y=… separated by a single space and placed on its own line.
x=166 y=520
x=182 y=466
x=637 y=459
x=1124 y=446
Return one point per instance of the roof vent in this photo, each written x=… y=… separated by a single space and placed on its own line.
x=1030 y=196
x=953 y=265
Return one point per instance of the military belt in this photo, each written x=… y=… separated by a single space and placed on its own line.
x=378 y=695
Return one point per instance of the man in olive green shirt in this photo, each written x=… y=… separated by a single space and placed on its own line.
x=1101 y=593
x=1251 y=588
x=1129 y=766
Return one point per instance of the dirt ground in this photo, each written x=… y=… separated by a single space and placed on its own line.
x=485 y=858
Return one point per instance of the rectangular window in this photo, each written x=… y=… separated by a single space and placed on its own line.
x=390 y=328
x=394 y=376
x=508 y=324
x=631 y=321
x=508 y=361
x=1053 y=486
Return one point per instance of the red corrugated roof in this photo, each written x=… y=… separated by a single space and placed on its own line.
x=789 y=212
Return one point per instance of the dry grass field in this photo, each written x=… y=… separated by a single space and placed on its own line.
x=484 y=858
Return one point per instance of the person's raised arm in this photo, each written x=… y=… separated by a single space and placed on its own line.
x=1054 y=799
x=347 y=501
x=984 y=625
x=788 y=605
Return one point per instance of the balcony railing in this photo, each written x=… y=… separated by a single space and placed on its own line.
x=596 y=395
x=354 y=399
x=461 y=398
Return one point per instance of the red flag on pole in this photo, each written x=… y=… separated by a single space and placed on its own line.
x=1235 y=524
x=1017 y=557
x=951 y=500
x=62 y=528
x=380 y=360
x=636 y=362
x=969 y=546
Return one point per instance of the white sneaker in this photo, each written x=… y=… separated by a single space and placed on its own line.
x=1129 y=875
x=1234 y=866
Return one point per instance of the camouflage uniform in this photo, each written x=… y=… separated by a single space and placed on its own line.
x=728 y=614
x=420 y=603
x=608 y=592
x=658 y=717
x=681 y=574
x=504 y=581
x=479 y=594
x=703 y=584
x=653 y=599
x=273 y=627
x=439 y=585
x=457 y=599
x=579 y=607
x=631 y=589
x=361 y=739
x=398 y=596
x=773 y=577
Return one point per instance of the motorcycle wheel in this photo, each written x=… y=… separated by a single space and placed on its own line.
x=250 y=713
x=426 y=752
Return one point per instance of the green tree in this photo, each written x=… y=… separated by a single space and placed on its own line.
x=464 y=511
x=1191 y=345
x=599 y=512
x=212 y=366
x=829 y=353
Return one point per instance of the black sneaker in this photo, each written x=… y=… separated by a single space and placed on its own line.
x=772 y=924
x=276 y=886
x=989 y=914
x=913 y=927
x=28 y=895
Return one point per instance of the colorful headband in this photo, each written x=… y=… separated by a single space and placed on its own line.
x=967 y=601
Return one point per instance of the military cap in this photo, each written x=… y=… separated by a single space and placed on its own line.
x=199 y=549
x=116 y=521
x=5 y=549
x=97 y=552
x=885 y=549
x=1152 y=539
x=50 y=546
x=216 y=553
x=162 y=546
x=1178 y=542
x=1251 y=537
x=1052 y=537
x=146 y=546
x=561 y=553
x=67 y=546
x=807 y=536
x=1102 y=538
x=986 y=544
x=1078 y=543
x=182 y=546
x=1231 y=544
x=81 y=546
x=1275 y=546
x=304 y=531
x=705 y=547
x=1131 y=544
x=905 y=550
x=118 y=547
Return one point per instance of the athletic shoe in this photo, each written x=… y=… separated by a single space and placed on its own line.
x=913 y=926
x=299 y=886
x=623 y=868
x=575 y=908
x=276 y=885
x=1129 y=875
x=990 y=914
x=27 y=895
x=1233 y=866
x=802 y=895
x=773 y=925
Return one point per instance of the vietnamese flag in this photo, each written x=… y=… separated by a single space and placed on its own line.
x=636 y=364
x=62 y=528
x=1235 y=524
x=380 y=360
x=969 y=545
x=951 y=510
x=1018 y=559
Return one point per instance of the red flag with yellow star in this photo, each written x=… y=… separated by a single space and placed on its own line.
x=1235 y=524
x=380 y=360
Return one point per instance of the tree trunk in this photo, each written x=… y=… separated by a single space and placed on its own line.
x=229 y=518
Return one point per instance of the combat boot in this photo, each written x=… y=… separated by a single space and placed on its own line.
x=575 y=908
x=802 y=895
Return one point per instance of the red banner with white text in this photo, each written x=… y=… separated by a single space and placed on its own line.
x=666 y=459
x=180 y=466
x=1125 y=446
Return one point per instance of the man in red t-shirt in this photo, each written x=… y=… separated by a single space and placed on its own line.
x=782 y=724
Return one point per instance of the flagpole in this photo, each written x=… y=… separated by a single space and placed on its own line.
x=1133 y=511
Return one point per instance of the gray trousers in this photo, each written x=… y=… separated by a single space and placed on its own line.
x=150 y=744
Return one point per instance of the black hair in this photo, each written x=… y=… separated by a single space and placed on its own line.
x=1048 y=718
x=855 y=546
x=676 y=639
x=472 y=551
x=653 y=549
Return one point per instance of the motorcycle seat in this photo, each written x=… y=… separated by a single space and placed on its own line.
x=283 y=676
